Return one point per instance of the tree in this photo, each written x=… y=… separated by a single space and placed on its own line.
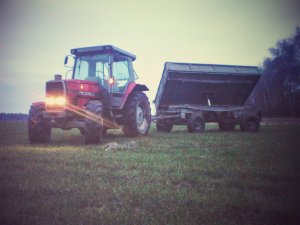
x=280 y=82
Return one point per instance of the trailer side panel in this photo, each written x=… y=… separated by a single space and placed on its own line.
x=205 y=84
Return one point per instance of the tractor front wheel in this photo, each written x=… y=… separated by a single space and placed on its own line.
x=137 y=114
x=39 y=131
x=93 y=123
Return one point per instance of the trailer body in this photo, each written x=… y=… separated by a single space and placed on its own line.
x=194 y=94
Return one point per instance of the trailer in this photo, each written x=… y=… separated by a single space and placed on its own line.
x=196 y=94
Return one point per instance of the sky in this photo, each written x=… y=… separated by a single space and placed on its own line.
x=36 y=35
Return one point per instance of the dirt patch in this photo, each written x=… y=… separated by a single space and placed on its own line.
x=113 y=146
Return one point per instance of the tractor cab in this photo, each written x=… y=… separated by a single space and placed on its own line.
x=109 y=66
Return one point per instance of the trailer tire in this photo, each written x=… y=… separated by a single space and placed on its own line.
x=196 y=123
x=163 y=126
x=250 y=124
x=227 y=124
x=137 y=114
x=93 y=123
x=39 y=131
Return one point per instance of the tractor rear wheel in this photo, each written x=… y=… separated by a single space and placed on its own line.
x=137 y=114
x=39 y=131
x=196 y=123
x=93 y=123
x=163 y=126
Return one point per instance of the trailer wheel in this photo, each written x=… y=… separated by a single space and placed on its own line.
x=163 y=126
x=137 y=115
x=39 y=131
x=196 y=124
x=226 y=125
x=251 y=124
x=93 y=123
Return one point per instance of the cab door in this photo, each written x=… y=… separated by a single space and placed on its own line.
x=122 y=75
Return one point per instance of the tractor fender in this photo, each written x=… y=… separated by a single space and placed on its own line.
x=39 y=104
x=131 y=88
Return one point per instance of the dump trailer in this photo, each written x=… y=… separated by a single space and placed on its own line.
x=195 y=94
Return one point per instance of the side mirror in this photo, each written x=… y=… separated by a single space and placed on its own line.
x=69 y=61
x=66 y=60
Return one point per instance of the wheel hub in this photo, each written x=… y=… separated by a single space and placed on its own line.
x=139 y=115
x=198 y=124
x=141 y=121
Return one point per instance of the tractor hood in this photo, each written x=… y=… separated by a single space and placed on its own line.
x=82 y=85
x=205 y=84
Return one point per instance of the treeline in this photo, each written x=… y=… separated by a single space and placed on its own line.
x=13 y=116
x=278 y=91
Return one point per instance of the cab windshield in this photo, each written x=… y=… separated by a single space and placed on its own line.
x=97 y=68
x=93 y=68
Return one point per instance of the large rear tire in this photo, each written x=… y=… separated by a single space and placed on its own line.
x=39 y=131
x=137 y=115
x=93 y=123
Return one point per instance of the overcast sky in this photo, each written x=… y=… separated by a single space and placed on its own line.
x=36 y=35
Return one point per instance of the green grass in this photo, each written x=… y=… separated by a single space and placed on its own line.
x=170 y=178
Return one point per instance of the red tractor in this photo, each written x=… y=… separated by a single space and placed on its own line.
x=101 y=95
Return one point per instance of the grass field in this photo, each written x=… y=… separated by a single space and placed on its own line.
x=169 y=178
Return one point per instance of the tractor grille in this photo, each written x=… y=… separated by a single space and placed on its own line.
x=55 y=88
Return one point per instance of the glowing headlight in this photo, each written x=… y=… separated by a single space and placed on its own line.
x=50 y=101
x=55 y=101
x=60 y=101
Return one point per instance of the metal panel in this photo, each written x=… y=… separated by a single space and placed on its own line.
x=205 y=84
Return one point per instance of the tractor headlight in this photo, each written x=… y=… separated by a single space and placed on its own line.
x=60 y=101
x=50 y=100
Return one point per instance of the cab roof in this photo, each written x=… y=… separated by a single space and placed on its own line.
x=104 y=49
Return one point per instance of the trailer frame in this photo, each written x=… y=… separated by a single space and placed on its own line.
x=178 y=77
